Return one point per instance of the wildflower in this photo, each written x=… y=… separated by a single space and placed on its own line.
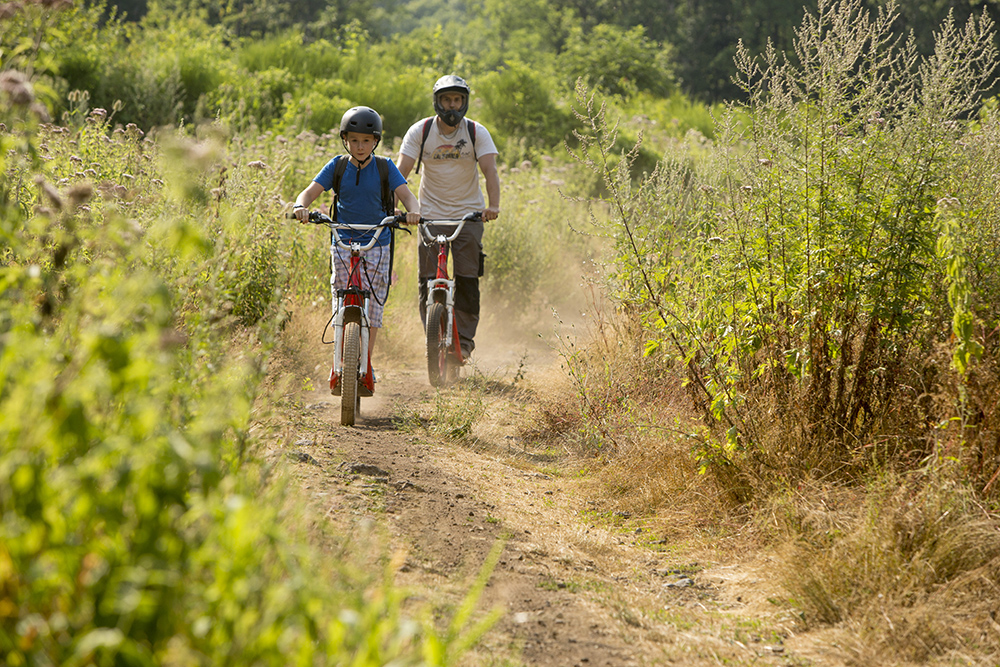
x=41 y=111
x=257 y=164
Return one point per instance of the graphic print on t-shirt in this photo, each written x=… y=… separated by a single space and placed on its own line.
x=449 y=151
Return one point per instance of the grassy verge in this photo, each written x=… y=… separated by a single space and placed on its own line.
x=142 y=290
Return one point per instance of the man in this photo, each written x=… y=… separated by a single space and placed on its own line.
x=449 y=147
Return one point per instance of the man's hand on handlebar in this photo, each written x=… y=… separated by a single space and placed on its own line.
x=491 y=213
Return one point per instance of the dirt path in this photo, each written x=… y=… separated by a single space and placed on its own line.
x=574 y=590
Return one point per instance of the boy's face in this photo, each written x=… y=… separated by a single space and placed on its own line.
x=360 y=146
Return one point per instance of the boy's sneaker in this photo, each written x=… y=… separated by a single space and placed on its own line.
x=364 y=389
x=467 y=353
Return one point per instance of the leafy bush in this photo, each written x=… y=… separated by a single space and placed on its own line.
x=518 y=108
x=616 y=61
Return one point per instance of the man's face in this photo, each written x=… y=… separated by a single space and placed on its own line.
x=451 y=101
x=360 y=146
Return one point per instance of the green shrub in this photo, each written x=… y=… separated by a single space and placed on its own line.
x=518 y=108
x=617 y=61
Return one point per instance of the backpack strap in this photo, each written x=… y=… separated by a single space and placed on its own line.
x=471 y=125
x=338 y=176
x=388 y=201
x=423 y=141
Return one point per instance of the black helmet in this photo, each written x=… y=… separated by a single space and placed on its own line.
x=364 y=120
x=451 y=84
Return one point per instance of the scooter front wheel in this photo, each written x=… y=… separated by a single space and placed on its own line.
x=437 y=351
x=350 y=397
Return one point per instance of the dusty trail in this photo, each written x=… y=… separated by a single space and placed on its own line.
x=574 y=593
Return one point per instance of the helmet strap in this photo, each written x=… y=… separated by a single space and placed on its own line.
x=361 y=163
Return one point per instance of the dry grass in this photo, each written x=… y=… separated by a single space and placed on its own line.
x=910 y=565
x=627 y=421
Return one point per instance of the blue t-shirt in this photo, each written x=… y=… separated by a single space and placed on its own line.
x=360 y=200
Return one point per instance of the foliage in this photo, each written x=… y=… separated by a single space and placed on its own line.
x=245 y=65
x=518 y=106
x=529 y=258
x=141 y=290
x=794 y=273
x=617 y=62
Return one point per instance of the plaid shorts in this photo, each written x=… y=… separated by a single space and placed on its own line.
x=374 y=269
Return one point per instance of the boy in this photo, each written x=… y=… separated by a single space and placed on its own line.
x=359 y=202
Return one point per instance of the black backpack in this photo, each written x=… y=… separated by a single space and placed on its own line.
x=427 y=130
x=388 y=202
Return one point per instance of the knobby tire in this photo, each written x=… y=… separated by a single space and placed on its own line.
x=437 y=353
x=350 y=397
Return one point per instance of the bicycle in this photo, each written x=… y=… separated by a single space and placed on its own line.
x=350 y=378
x=444 y=352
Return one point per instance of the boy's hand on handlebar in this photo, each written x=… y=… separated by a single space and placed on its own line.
x=412 y=218
x=491 y=213
x=301 y=213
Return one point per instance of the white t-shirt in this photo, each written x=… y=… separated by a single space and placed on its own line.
x=449 y=177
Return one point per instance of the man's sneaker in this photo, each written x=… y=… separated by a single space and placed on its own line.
x=467 y=352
